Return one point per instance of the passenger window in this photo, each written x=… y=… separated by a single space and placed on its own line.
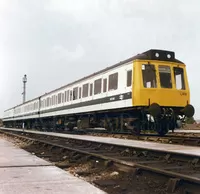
x=105 y=85
x=165 y=76
x=65 y=96
x=97 y=86
x=149 y=76
x=56 y=100
x=47 y=102
x=79 y=92
x=51 y=101
x=59 y=98
x=113 y=81
x=129 y=78
x=75 y=93
x=179 y=78
x=85 y=90
x=71 y=95
x=91 y=89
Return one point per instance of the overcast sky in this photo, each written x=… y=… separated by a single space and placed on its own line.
x=57 y=41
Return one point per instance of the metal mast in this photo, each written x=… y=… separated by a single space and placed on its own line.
x=24 y=80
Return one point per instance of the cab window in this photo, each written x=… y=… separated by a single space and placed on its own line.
x=165 y=76
x=179 y=78
x=149 y=76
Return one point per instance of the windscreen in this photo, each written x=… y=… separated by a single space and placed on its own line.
x=179 y=78
x=165 y=76
x=149 y=76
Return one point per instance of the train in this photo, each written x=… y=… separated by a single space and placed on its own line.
x=149 y=91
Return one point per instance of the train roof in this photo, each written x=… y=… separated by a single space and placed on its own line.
x=152 y=54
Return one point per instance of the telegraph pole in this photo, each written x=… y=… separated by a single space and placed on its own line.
x=24 y=80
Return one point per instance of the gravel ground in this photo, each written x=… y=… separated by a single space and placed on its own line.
x=109 y=178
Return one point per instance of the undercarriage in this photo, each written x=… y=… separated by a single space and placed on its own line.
x=153 y=118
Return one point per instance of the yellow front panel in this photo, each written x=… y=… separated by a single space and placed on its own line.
x=163 y=96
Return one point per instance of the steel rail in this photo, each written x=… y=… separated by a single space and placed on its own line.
x=77 y=146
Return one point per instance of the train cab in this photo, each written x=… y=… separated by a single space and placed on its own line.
x=160 y=84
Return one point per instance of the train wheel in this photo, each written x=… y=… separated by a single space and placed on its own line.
x=163 y=128
x=136 y=128
x=70 y=126
x=162 y=133
x=110 y=125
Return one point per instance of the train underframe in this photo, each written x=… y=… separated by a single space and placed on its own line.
x=154 y=118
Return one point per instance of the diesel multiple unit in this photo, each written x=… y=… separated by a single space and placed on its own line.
x=149 y=91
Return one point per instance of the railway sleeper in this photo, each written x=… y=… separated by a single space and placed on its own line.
x=172 y=185
x=195 y=161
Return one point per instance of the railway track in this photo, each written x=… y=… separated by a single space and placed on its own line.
x=178 y=139
x=190 y=139
x=180 y=171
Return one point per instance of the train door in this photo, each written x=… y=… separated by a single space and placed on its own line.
x=128 y=82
